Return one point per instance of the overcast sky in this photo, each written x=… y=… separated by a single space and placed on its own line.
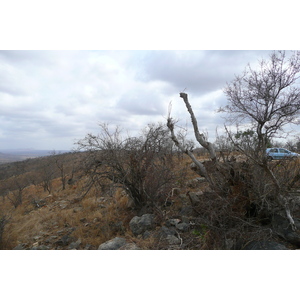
x=50 y=99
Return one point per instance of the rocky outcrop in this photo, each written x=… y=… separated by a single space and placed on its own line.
x=139 y=225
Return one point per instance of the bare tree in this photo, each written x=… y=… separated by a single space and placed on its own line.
x=17 y=186
x=141 y=165
x=200 y=137
x=60 y=163
x=268 y=99
x=47 y=174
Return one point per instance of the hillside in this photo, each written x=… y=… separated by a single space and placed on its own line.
x=49 y=203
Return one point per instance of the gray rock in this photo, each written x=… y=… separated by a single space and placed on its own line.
x=77 y=209
x=173 y=240
x=194 y=197
x=193 y=183
x=88 y=247
x=264 y=245
x=164 y=232
x=147 y=234
x=113 y=244
x=173 y=222
x=139 y=225
x=63 y=204
x=64 y=240
x=74 y=245
x=52 y=239
x=229 y=244
x=130 y=246
x=39 y=203
x=183 y=226
x=40 y=247
x=20 y=247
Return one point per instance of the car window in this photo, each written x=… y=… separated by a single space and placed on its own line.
x=283 y=151
x=273 y=151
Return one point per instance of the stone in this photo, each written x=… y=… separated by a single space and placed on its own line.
x=20 y=247
x=39 y=203
x=88 y=247
x=193 y=183
x=113 y=244
x=164 y=232
x=77 y=209
x=147 y=234
x=40 y=247
x=264 y=245
x=63 y=204
x=173 y=222
x=75 y=245
x=52 y=238
x=173 y=240
x=229 y=244
x=194 y=198
x=183 y=226
x=139 y=225
x=117 y=227
x=201 y=179
x=64 y=240
x=130 y=246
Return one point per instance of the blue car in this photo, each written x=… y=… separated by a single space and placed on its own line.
x=280 y=153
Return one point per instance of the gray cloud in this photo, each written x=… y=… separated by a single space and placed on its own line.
x=48 y=99
x=199 y=71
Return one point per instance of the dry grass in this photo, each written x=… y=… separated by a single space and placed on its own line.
x=96 y=218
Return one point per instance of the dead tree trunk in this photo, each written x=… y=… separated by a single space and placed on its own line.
x=199 y=137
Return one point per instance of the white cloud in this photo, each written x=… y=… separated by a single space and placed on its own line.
x=50 y=98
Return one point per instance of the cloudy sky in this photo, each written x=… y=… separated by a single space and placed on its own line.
x=50 y=99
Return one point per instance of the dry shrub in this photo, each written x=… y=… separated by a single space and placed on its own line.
x=244 y=199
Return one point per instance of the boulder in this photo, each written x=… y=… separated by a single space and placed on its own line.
x=139 y=225
x=113 y=244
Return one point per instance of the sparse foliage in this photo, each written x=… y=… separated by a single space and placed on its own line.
x=141 y=165
x=267 y=98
